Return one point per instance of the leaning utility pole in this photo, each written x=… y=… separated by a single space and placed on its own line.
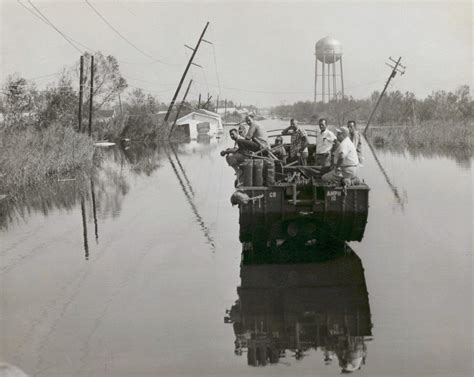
x=184 y=74
x=91 y=95
x=81 y=92
x=395 y=70
x=180 y=107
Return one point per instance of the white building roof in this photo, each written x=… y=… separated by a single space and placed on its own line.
x=202 y=114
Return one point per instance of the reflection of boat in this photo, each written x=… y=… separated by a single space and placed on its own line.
x=275 y=192
x=298 y=307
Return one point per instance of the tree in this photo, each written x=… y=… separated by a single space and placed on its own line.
x=464 y=103
x=108 y=80
x=59 y=103
x=20 y=101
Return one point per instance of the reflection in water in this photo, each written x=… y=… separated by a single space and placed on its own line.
x=94 y=212
x=295 y=307
x=387 y=179
x=84 y=229
x=188 y=192
x=302 y=287
x=183 y=171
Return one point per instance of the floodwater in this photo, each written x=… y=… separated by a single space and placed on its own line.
x=136 y=271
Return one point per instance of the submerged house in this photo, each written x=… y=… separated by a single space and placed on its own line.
x=200 y=123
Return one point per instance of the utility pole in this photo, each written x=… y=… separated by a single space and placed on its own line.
x=179 y=108
x=199 y=103
x=91 y=95
x=81 y=92
x=217 y=105
x=395 y=70
x=170 y=107
x=208 y=102
x=225 y=107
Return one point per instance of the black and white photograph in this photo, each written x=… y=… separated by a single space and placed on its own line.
x=234 y=188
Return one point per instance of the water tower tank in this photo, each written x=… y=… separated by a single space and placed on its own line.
x=328 y=50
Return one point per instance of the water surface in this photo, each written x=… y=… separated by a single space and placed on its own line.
x=130 y=272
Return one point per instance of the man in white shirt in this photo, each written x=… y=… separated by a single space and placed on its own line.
x=324 y=142
x=345 y=157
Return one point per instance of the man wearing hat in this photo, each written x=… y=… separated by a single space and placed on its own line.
x=345 y=158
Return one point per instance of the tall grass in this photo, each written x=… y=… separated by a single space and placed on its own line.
x=30 y=155
x=452 y=139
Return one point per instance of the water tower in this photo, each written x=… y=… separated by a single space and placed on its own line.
x=328 y=53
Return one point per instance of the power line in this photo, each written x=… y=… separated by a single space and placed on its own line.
x=43 y=18
x=215 y=64
x=123 y=37
x=205 y=79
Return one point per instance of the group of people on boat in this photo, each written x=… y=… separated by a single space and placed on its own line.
x=338 y=155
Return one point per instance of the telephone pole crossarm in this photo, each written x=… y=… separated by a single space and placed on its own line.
x=393 y=73
x=170 y=107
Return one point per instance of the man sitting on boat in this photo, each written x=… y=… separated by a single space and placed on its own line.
x=278 y=149
x=256 y=137
x=298 y=144
x=236 y=155
x=324 y=142
x=345 y=158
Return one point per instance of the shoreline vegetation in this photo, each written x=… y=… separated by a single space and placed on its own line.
x=30 y=156
x=431 y=138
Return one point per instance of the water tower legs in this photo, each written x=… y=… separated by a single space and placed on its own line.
x=315 y=79
x=342 y=77
x=327 y=79
x=323 y=79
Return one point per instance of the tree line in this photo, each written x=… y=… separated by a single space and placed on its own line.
x=136 y=113
x=395 y=108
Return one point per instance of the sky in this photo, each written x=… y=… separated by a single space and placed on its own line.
x=262 y=52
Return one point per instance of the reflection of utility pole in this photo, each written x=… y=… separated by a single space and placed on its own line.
x=180 y=107
x=94 y=212
x=170 y=107
x=190 y=200
x=84 y=229
x=385 y=175
x=395 y=70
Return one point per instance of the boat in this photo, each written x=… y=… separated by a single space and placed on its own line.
x=277 y=199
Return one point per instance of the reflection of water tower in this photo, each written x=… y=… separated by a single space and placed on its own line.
x=328 y=52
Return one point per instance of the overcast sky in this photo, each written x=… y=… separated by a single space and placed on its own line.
x=264 y=50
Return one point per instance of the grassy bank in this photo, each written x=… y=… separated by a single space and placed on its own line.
x=453 y=139
x=32 y=155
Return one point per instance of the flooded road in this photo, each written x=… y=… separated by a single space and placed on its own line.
x=131 y=274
